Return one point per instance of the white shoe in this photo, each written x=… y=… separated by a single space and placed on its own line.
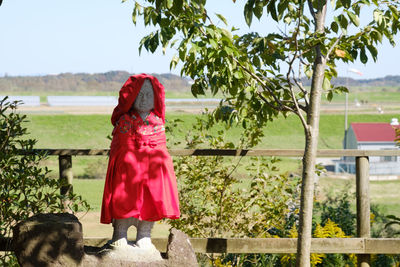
x=145 y=243
x=120 y=243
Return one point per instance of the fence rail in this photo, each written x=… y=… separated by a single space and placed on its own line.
x=323 y=153
x=268 y=245
x=363 y=245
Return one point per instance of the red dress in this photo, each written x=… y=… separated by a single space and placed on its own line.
x=140 y=179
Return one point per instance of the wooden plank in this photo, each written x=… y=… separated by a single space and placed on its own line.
x=382 y=245
x=269 y=245
x=363 y=206
x=279 y=245
x=232 y=152
x=66 y=175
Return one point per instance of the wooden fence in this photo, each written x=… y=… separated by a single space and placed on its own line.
x=363 y=245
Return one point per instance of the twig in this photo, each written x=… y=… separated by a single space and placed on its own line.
x=312 y=11
x=264 y=85
x=298 y=109
x=333 y=46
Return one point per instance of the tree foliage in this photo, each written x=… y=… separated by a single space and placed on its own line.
x=248 y=68
x=25 y=188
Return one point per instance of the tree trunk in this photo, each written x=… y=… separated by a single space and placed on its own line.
x=310 y=152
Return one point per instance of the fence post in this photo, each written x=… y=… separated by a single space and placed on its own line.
x=65 y=167
x=363 y=205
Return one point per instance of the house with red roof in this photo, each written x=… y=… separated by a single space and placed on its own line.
x=372 y=136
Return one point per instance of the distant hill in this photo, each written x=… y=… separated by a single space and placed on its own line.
x=109 y=81
x=113 y=80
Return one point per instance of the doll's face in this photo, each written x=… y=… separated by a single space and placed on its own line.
x=145 y=99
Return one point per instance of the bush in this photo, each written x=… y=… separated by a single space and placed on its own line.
x=231 y=197
x=25 y=187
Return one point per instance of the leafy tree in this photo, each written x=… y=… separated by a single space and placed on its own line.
x=25 y=187
x=247 y=69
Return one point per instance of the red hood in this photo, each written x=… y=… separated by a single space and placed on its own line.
x=129 y=92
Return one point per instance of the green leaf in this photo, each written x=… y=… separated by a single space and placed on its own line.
x=334 y=26
x=343 y=21
x=222 y=18
x=272 y=10
x=174 y=62
x=395 y=12
x=226 y=33
x=363 y=56
x=378 y=16
x=287 y=19
x=341 y=89
x=248 y=12
x=354 y=18
x=256 y=62
x=308 y=73
x=170 y=4
x=258 y=9
x=374 y=52
x=329 y=95
x=177 y=7
x=346 y=3
x=326 y=85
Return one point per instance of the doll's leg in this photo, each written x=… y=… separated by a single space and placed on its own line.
x=143 y=237
x=121 y=231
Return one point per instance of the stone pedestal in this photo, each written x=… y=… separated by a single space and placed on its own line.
x=49 y=240
x=57 y=240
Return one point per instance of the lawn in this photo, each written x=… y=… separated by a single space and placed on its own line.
x=90 y=131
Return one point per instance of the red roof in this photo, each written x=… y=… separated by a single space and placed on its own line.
x=374 y=132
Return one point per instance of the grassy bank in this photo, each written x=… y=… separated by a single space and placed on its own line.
x=91 y=131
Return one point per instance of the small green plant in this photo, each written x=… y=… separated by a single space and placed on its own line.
x=96 y=169
x=394 y=221
x=337 y=208
x=25 y=187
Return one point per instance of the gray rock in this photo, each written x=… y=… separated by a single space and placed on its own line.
x=179 y=250
x=49 y=240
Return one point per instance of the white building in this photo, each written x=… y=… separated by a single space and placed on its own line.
x=372 y=136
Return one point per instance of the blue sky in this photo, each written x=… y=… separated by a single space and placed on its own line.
x=54 y=36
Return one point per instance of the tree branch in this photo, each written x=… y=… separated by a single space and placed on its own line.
x=298 y=109
x=280 y=108
x=264 y=85
x=333 y=47
x=312 y=11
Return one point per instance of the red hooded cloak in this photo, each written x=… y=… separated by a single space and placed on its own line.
x=140 y=179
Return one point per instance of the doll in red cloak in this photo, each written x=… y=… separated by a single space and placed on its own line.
x=140 y=185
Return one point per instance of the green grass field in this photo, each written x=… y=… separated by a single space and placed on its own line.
x=90 y=131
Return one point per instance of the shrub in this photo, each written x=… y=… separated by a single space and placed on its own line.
x=25 y=187
x=231 y=197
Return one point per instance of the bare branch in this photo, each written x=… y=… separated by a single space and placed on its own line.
x=312 y=11
x=258 y=79
x=333 y=47
x=298 y=110
x=281 y=107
